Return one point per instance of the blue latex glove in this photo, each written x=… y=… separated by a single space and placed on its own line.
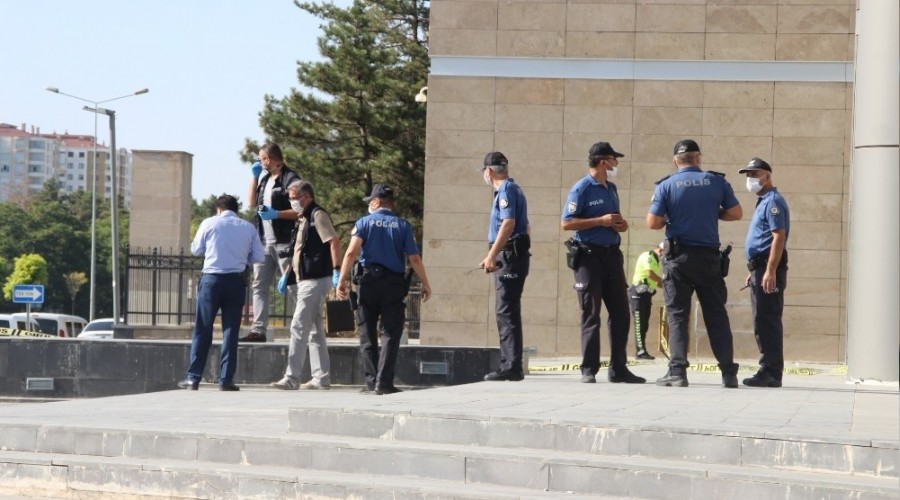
x=282 y=284
x=256 y=168
x=334 y=277
x=267 y=213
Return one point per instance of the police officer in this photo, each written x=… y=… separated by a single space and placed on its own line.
x=383 y=242
x=767 y=257
x=592 y=211
x=508 y=256
x=689 y=204
x=647 y=278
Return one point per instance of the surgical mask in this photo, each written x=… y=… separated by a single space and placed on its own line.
x=611 y=174
x=487 y=178
x=753 y=185
x=372 y=209
x=296 y=207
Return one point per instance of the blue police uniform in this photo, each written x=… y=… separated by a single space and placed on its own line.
x=509 y=279
x=387 y=241
x=599 y=275
x=690 y=200
x=772 y=213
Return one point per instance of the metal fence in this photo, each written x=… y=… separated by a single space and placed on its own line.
x=161 y=288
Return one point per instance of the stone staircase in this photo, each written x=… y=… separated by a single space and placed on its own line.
x=379 y=453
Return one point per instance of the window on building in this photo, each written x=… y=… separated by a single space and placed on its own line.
x=36 y=144
x=70 y=165
x=81 y=166
x=80 y=177
x=71 y=154
x=70 y=177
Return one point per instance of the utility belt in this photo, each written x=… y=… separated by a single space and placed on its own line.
x=762 y=259
x=672 y=248
x=643 y=287
x=576 y=250
x=518 y=244
x=374 y=272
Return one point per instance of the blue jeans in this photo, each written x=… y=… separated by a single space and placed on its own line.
x=215 y=292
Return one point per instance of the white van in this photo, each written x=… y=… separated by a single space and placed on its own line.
x=13 y=322
x=62 y=325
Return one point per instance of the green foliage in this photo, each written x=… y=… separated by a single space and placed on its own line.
x=29 y=269
x=358 y=124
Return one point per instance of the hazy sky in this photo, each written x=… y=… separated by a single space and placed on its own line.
x=207 y=63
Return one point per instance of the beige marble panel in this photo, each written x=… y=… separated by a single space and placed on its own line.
x=463 y=15
x=598 y=119
x=733 y=151
x=568 y=310
x=535 y=145
x=810 y=235
x=820 y=292
x=535 y=16
x=457 y=199
x=667 y=121
x=596 y=16
x=740 y=47
x=671 y=18
x=737 y=122
x=572 y=170
x=669 y=45
x=455 y=334
x=757 y=95
x=741 y=18
x=460 y=116
x=601 y=45
x=453 y=253
x=810 y=122
x=655 y=148
x=530 y=91
x=529 y=118
x=465 y=226
x=454 y=171
x=809 y=151
x=455 y=308
x=449 y=281
x=544 y=254
x=538 y=173
x=821 y=47
x=815 y=19
x=540 y=286
x=814 y=2
x=812 y=95
x=598 y=92
x=543 y=200
x=458 y=143
x=816 y=207
x=668 y=93
x=799 y=179
x=540 y=337
x=538 y=311
x=823 y=346
x=457 y=42
x=813 y=263
x=576 y=145
x=568 y=341
x=531 y=43
x=442 y=89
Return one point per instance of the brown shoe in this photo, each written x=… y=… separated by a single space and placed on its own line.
x=253 y=337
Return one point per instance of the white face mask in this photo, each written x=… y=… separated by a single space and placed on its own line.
x=611 y=174
x=372 y=208
x=295 y=205
x=487 y=178
x=753 y=185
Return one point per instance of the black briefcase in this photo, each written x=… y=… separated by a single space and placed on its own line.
x=339 y=316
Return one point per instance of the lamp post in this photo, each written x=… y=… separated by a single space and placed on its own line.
x=114 y=195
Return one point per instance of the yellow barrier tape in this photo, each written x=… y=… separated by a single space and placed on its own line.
x=696 y=367
x=15 y=332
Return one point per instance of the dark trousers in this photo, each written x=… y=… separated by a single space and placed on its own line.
x=509 y=281
x=767 y=310
x=599 y=279
x=380 y=298
x=641 y=303
x=697 y=270
x=216 y=292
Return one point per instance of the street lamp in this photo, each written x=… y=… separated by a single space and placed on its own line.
x=114 y=195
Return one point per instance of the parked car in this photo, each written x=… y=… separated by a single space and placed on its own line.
x=98 y=329
x=62 y=325
x=16 y=323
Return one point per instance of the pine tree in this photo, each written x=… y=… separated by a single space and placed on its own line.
x=357 y=123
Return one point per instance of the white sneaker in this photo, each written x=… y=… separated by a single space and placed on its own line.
x=285 y=384
x=314 y=385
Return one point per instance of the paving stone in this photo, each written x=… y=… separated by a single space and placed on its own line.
x=161 y=445
x=508 y=473
x=689 y=447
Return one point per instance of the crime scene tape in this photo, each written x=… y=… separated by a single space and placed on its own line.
x=696 y=367
x=15 y=332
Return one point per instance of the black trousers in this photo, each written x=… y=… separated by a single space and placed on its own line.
x=697 y=269
x=380 y=298
x=509 y=281
x=641 y=303
x=600 y=279
x=767 y=311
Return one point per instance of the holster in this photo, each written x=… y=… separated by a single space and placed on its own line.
x=671 y=247
x=726 y=260
x=518 y=244
x=573 y=253
x=356 y=272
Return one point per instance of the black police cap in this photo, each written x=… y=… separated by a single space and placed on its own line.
x=686 y=146
x=380 y=191
x=755 y=164
x=604 y=149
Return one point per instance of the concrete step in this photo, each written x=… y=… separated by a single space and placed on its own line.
x=528 y=469
x=831 y=454
x=84 y=476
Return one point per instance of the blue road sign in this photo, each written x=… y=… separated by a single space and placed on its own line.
x=28 y=294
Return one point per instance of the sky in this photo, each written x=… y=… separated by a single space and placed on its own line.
x=208 y=65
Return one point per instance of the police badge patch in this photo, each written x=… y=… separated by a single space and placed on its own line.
x=572 y=207
x=504 y=203
x=774 y=211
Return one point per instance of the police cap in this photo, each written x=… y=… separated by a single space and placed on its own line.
x=686 y=146
x=381 y=191
x=495 y=159
x=604 y=149
x=755 y=164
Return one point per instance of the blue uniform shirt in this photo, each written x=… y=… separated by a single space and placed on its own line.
x=588 y=199
x=387 y=240
x=771 y=213
x=690 y=200
x=509 y=203
x=228 y=243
